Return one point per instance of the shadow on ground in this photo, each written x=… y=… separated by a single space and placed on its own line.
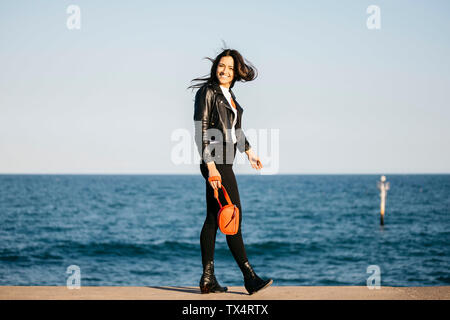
x=192 y=290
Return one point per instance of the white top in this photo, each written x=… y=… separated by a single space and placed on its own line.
x=227 y=94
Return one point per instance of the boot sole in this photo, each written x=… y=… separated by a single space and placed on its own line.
x=205 y=290
x=268 y=284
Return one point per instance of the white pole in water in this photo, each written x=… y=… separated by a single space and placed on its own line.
x=384 y=187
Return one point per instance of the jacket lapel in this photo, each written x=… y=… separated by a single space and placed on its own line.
x=218 y=91
x=238 y=107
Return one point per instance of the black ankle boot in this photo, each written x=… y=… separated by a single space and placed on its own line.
x=252 y=282
x=208 y=281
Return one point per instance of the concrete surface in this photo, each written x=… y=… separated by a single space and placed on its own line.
x=234 y=293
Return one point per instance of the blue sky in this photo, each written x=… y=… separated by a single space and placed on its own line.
x=107 y=98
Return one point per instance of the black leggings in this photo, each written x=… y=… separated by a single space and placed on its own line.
x=210 y=226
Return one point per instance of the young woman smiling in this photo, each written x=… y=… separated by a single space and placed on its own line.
x=216 y=108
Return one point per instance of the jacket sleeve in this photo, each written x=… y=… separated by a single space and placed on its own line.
x=242 y=143
x=202 y=113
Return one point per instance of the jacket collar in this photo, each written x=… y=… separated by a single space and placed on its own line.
x=218 y=90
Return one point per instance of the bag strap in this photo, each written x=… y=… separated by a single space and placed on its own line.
x=216 y=195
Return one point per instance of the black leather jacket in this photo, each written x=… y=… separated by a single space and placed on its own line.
x=212 y=111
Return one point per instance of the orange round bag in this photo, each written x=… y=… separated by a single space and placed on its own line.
x=228 y=215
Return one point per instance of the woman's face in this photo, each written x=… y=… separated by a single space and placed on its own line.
x=225 y=71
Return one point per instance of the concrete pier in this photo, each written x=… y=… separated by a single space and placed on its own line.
x=234 y=293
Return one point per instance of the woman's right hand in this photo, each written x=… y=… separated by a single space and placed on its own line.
x=212 y=173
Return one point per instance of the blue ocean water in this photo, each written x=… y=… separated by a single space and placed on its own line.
x=143 y=230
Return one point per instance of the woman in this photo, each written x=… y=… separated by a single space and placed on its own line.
x=217 y=114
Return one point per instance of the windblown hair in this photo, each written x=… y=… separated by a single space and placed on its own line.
x=243 y=69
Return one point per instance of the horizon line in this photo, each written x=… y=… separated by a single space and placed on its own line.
x=247 y=174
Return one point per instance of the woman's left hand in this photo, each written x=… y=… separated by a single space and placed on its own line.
x=254 y=160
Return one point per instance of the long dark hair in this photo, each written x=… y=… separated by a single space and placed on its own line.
x=243 y=69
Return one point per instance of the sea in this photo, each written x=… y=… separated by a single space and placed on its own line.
x=299 y=230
